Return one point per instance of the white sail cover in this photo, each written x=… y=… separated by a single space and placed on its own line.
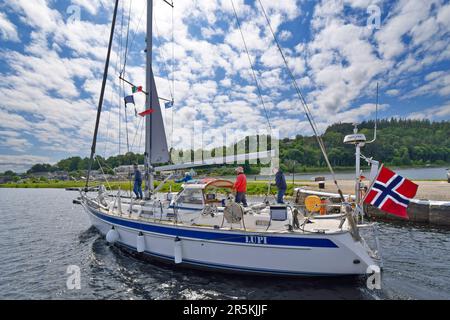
x=232 y=159
x=159 y=152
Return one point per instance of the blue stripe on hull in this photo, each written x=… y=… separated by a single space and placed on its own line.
x=199 y=264
x=185 y=208
x=215 y=236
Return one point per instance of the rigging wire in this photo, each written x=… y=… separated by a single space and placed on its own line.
x=123 y=87
x=120 y=87
x=140 y=139
x=119 y=106
x=173 y=77
x=252 y=68
x=131 y=47
x=128 y=48
x=303 y=101
x=121 y=33
x=103 y=172
x=126 y=121
x=102 y=92
x=164 y=60
x=116 y=67
x=166 y=67
x=136 y=32
x=135 y=134
x=122 y=73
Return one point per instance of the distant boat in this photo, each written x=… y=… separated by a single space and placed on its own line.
x=202 y=228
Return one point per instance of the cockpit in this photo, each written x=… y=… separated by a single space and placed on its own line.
x=193 y=196
x=204 y=192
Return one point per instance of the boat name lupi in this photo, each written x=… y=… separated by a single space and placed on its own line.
x=256 y=239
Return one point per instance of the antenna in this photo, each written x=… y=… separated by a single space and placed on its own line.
x=376 y=120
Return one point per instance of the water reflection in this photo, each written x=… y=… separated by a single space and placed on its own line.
x=144 y=278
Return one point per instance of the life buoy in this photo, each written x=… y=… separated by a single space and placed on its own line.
x=313 y=203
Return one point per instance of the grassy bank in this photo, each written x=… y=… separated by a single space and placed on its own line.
x=307 y=170
x=253 y=187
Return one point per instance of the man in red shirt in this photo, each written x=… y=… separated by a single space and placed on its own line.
x=240 y=186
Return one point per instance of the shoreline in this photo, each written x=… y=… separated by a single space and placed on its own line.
x=324 y=170
x=350 y=169
x=438 y=190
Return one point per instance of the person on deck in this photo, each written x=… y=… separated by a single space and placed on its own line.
x=240 y=186
x=187 y=177
x=280 y=182
x=137 y=188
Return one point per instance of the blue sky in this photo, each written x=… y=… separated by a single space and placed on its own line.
x=52 y=57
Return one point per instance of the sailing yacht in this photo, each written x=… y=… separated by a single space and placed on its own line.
x=203 y=227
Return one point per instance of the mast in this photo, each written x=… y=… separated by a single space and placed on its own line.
x=148 y=119
x=156 y=150
x=102 y=93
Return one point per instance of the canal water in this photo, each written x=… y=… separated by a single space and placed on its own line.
x=42 y=233
x=412 y=174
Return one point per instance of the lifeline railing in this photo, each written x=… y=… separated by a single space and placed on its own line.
x=377 y=253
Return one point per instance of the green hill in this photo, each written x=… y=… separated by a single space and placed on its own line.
x=399 y=143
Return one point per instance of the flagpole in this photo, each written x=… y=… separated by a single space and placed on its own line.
x=358 y=172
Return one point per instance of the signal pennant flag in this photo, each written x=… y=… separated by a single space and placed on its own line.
x=129 y=99
x=391 y=193
x=168 y=104
x=146 y=112
x=135 y=89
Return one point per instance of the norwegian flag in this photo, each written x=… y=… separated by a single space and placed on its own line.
x=391 y=193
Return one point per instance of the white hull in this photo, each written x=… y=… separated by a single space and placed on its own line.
x=287 y=254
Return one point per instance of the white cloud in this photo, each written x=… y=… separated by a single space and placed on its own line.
x=14 y=144
x=93 y=6
x=436 y=83
x=11 y=120
x=341 y=59
x=405 y=16
x=20 y=163
x=285 y=35
x=8 y=30
x=271 y=58
x=51 y=88
x=37 y=14
x=434 y=113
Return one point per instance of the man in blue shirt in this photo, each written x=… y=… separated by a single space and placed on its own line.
x=187 y=177
x=137 y=189
x=280 y=182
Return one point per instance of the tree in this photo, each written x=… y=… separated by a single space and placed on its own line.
x=399 y=142
x=41 y=167
x=9 y=173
